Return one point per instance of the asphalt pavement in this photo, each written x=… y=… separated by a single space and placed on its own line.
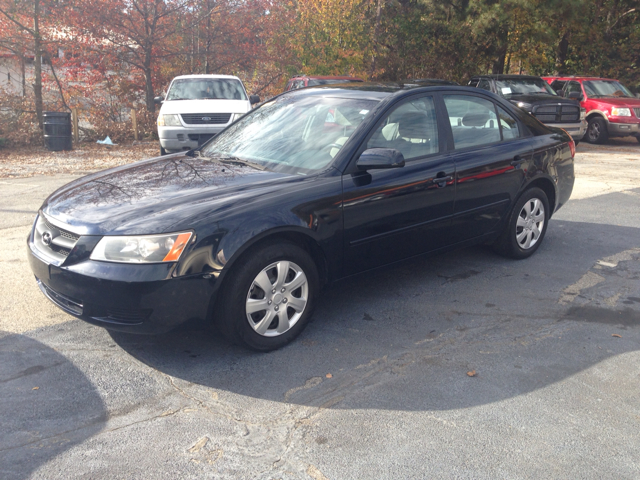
x=463 y=365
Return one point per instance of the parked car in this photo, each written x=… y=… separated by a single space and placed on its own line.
x=612 y=110
x=197 y=107
x=534 y=95
x=301 y=81
x=313 y=186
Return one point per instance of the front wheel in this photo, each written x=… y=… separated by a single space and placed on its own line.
x=162 y=151
x=526 y=226
x=597 y=131
x=269 y=297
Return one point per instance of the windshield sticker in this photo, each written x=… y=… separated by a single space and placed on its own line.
x=506 y=90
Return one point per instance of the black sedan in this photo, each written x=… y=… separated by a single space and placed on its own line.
x=313 y=186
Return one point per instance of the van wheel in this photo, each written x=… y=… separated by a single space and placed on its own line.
x=162 y=151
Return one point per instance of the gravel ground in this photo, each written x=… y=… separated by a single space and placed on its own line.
x=84 y=158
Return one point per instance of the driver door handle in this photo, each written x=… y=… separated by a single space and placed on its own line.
x=441 y=181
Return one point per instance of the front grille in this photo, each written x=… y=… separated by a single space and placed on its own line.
x=206 y=118
x=64 y=233
x=55 y=243
x=557 y=113
x=637 y=112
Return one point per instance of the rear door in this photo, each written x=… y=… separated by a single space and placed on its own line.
x=491 y=155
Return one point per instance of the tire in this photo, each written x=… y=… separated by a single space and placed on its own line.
x=162 y=151
x=286 y=312
x=530 y=214
x=576 y=142
x=597 y=131
x=638 y=138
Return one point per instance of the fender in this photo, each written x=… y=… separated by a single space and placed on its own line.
x=594 y=112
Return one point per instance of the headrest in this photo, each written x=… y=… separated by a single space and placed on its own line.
x=475 y=119
x=413 y=125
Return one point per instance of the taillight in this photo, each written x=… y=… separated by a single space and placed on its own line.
x=572 y=144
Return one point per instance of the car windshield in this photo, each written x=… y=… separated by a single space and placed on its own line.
x=606 y=88
x=523 y=86
x=292 y=135
x=326 y=81
x=206 y=88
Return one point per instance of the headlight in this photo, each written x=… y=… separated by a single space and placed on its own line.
x=169 y=121
x=236 y=116
x=583 y=113
x=141 y=249
x=620 y=112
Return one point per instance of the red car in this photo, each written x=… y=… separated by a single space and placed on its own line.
x=612 y=110
x=301 y=81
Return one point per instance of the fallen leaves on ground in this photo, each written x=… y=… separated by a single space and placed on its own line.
x=84 y=158
x=616 y=335
x=472 y=373
x=328 y=375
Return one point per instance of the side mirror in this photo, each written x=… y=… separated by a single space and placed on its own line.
x=575 y=96
x=253 y=99
x=158 y=100
x=378 y=158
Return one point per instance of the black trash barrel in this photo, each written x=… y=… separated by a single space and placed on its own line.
x=57 y=130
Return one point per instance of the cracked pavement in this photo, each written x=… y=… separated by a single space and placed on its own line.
x=376 y=386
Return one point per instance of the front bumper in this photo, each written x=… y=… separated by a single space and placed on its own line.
x=576 y=130
x=176 y=139
x=623 y=129
x=123 y=297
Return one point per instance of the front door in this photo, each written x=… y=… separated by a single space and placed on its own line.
x=394 y=214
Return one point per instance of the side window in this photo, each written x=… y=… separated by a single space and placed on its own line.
x=508 y=124
x=410 y=128
x=473 y=121
x=573 y=87
x=558 y=85
x=484 y=84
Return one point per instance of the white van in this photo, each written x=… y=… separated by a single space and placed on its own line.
x=197 y=107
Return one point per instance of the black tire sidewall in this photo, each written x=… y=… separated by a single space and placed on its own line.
x=508 y=244
x=603 y=137
x=231 y=318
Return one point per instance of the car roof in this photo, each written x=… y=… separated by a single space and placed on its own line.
x=324 y=77
x=206 y=76
x=373 y=90
x=507 y=77
x=582 y=78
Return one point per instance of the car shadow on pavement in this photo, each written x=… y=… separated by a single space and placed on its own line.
x=458 y=330
x=48 y=405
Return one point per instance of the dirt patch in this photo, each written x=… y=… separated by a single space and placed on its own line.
x=84 y=158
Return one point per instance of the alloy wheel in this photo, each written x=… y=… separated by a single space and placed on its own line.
x=530 y=224
x=277 y=298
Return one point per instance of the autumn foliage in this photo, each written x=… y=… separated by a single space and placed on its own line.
x=107 y=57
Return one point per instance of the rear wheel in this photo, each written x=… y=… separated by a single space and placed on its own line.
x=269 y=297
x=526 y=226
x=162 y=151
x=597 y=131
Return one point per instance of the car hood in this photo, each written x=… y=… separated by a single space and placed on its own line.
x=205 y=106
x=618 y=101
x=158 y=195
x=541 y=99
